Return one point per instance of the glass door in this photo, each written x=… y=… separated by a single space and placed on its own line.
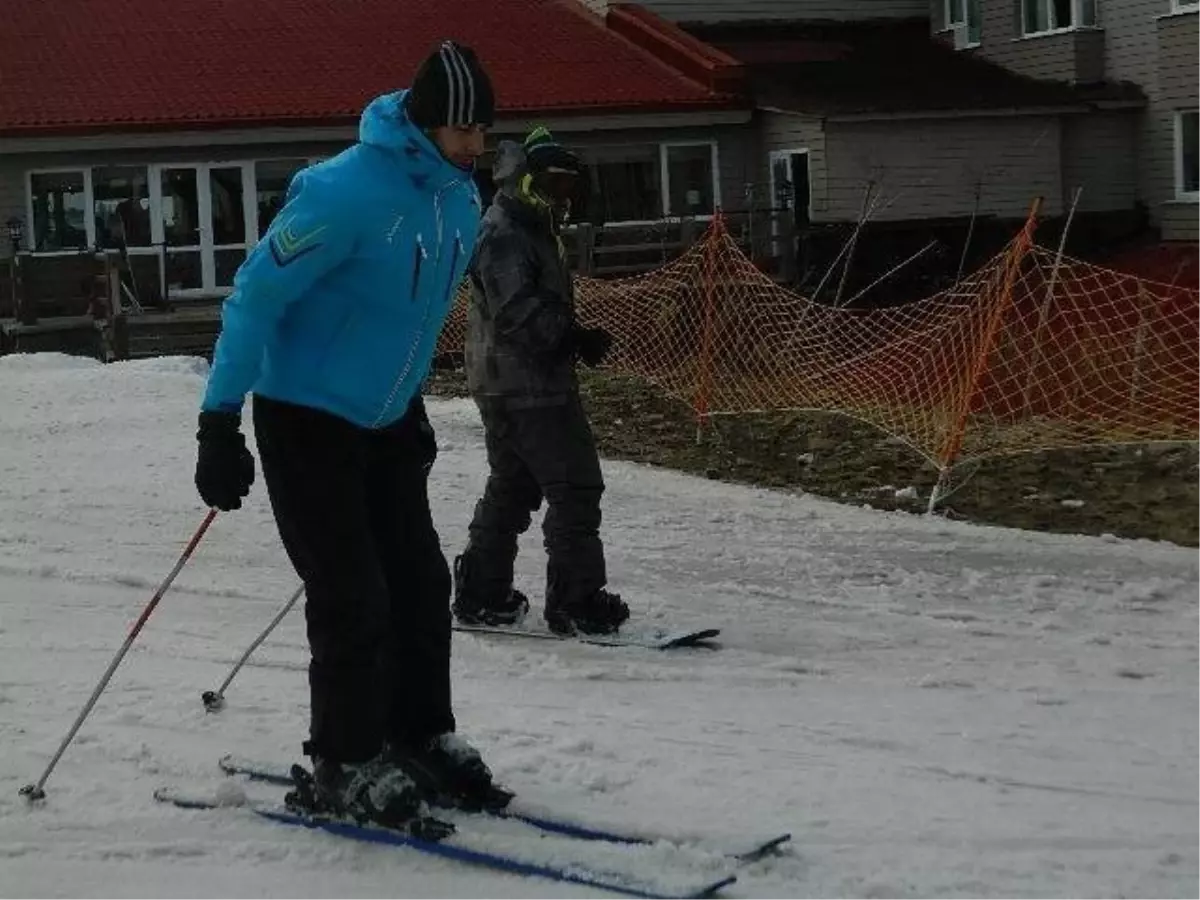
x=202 y=215
x=181 y=228
x=790 y=190
x=227 y=213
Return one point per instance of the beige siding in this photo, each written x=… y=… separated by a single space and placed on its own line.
x=931 y=169
x=1177 y=89
x=1100 y=156
x=1071 y=56
x=1177 y=60
x=1180 y=223
x=936 y=10
x=1089 y=56
x=788 y=132
x=1151 y=49
x=1129 y=47
x=759 y=10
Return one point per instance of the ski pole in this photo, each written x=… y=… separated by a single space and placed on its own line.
x=37 y=791
x=214 y=701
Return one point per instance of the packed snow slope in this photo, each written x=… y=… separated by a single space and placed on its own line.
x=933 y=708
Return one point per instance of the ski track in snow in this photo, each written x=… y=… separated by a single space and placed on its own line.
x=932 y=708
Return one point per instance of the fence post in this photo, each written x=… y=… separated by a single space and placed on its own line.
x=1139 y=348
x=704 y=375
x=1012 y=265
x=585 y=234
x=26 y=308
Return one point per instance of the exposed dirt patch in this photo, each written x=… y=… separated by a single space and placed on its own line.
x=1147 y=492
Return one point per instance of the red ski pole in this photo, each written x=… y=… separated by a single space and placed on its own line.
x=37 y=791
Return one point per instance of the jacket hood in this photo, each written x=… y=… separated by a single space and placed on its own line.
x=385 y=124
x=510 y=163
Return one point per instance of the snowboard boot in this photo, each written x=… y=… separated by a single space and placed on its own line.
x=601 y=612
x=473 y=606
x=376 y=791
x=449 y=772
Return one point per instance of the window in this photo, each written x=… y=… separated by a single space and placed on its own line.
x=1187 y=155
x=58 y=207
x=272 y=178
x=968 y=13
x=626 y=184
x=1185 y=5
x=1040 y=16
x=689 y=176
x=645 y=183
x=121 y=205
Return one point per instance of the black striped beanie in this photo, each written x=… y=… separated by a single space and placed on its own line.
x=451 y=87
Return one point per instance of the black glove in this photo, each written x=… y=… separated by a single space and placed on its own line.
x=426 y=439
x=591 y=344
x=224 y=467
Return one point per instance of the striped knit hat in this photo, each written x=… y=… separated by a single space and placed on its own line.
x=451 y=87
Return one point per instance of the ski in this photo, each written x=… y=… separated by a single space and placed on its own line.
x=649 y=639
x=281 y=776
x=454 y=848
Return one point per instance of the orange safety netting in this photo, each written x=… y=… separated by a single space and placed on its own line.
x=1031 y=352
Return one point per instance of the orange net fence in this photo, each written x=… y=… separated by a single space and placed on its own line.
x=1033 y=351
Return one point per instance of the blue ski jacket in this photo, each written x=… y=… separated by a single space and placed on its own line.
x=339 y=306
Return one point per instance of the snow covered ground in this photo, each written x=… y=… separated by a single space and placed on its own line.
x=933 y=708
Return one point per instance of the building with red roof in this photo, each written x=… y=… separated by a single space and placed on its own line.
x=179 y=124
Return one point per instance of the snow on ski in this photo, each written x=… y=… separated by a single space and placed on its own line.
x=649 y=639
x=455 y=848
x=268 y=773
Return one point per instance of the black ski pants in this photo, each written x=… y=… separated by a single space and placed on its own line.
x=352 y=508
x=534 y=453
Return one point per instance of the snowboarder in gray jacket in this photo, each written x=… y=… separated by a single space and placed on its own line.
x=523 y=342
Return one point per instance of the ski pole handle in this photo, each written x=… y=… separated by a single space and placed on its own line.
x=37 y=791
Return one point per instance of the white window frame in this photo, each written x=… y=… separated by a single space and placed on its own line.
x=665 y=177
x=1076 y=18
x=89 y=217
x=152 y=250
x=154 y=184
x=965 y=22
x=1181 y=195
x=1185 y=6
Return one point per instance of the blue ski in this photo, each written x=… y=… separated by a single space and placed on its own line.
x=446 y=849
x=281 y=776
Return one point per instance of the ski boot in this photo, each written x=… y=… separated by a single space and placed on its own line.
x=375 y=792
x=601 y=612
x=449 y=772
x=476 y=608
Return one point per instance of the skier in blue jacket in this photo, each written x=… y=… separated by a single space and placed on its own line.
x=332 y=325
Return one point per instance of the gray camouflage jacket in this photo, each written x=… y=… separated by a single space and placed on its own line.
x=522 y=309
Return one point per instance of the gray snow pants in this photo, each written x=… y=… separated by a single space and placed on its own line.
x=534 y=453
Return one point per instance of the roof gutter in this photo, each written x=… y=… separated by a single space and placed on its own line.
x=256 y=132
x=719 y=72
x=937 y=114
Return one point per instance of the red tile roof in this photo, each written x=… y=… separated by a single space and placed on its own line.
x=87 y=65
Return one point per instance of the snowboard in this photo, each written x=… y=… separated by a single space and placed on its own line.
x=653 y=638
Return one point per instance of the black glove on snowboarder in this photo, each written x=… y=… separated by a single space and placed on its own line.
x=591 y=344
x=224 y=467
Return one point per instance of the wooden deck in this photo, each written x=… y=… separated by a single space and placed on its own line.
x=191 y=331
